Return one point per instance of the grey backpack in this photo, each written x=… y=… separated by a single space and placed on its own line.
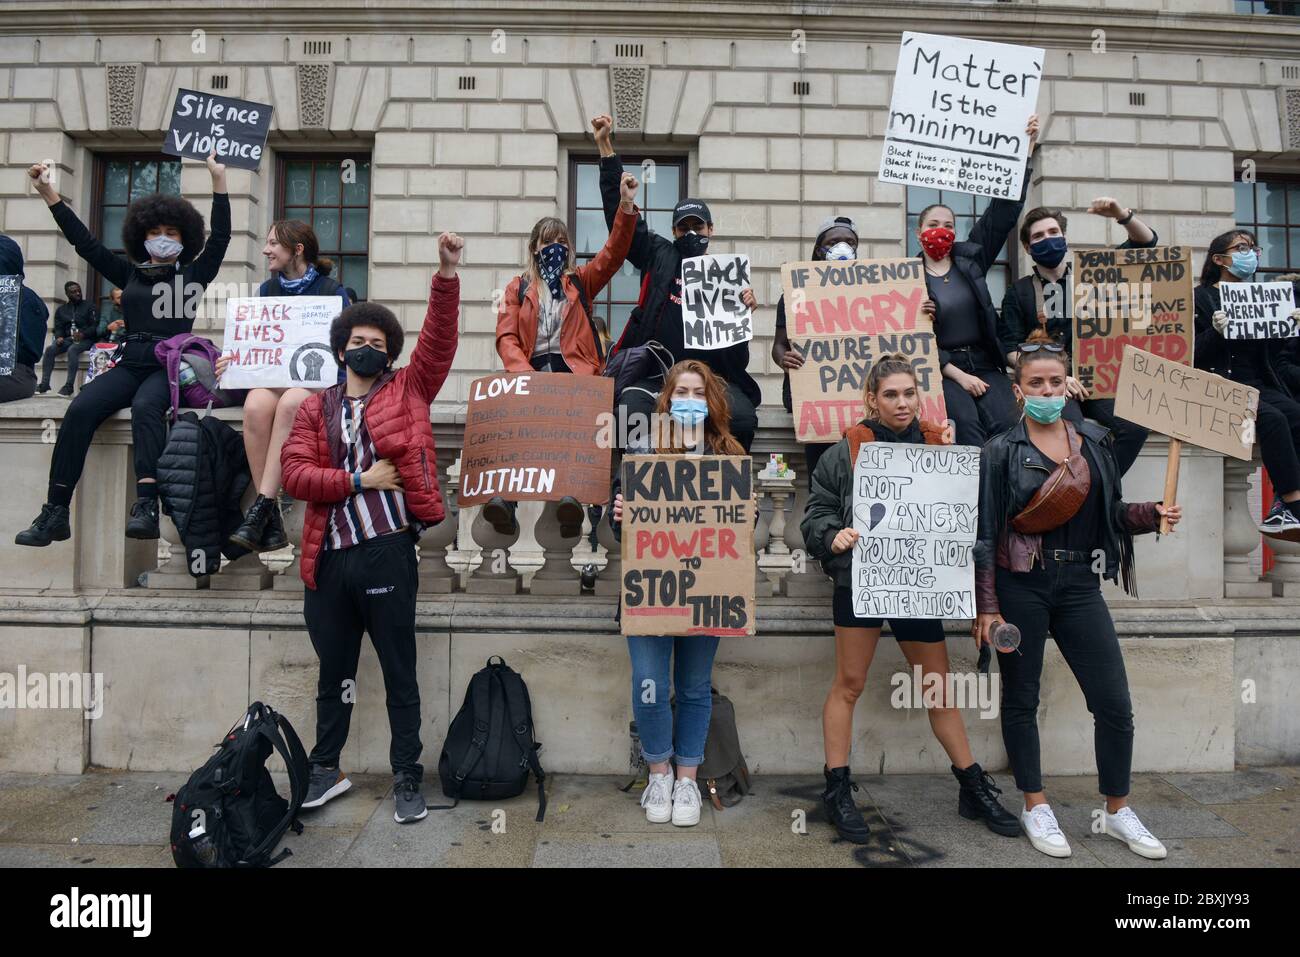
x=724 y=776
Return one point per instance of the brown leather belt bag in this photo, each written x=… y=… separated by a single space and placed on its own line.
x=1060 y=497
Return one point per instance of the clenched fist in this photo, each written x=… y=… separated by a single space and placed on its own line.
x=450 y=246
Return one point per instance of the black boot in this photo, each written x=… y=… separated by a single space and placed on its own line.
x=978 y=801
x=570 y=513
x=249 y=535
x=500 y=514
x=144 y=519
x=49 y=526
x=273 y=536
x=841 y=810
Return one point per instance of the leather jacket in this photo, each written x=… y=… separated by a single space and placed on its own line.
x=1010 y=475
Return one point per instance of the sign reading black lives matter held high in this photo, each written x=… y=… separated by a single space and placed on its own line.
x=1258 y=310
x=958 y=114
x=202 y=123
x=713 y=316
x=11 y=290
x=915 y=508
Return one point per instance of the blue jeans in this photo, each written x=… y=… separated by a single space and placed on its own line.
x=692 y=682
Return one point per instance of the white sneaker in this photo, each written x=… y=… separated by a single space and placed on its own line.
x=657 y=798
x=1043 y=831
x=686 y=803
x=1124 y=826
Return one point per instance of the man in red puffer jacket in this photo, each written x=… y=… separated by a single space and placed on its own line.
x=361 y=456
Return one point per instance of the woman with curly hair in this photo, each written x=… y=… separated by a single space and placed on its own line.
x=162 y=278
x=297 y=268
x=692 y=416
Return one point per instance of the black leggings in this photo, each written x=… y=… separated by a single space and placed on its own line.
x=144 y=388
x=1065 y=599
x=1278 y=431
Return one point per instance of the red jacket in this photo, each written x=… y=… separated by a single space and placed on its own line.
x=517 y=322
x=397 y=418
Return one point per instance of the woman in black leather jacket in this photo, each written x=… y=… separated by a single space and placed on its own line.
x=1050 y=581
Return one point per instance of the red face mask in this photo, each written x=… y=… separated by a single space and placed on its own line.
x=937 y=242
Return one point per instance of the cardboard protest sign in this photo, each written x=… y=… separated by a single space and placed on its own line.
x=1129 y=297
x=203 y=123
x=1186 y=403
x=688 y=545
x=99 y=360
x=532 y=437
x=958 y=114
x=916 y=509
x=11 y=290
x=840 y=316
x=713 y=316
x=1258 y=310
x=278 y=342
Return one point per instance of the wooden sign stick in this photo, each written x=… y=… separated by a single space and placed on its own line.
x=1171 y=480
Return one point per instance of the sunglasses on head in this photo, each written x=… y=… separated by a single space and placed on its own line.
x=1035 y=346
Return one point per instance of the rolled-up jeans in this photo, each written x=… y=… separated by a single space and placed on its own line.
x=692 y=680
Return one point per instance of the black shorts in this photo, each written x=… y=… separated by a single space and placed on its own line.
x=904 y=629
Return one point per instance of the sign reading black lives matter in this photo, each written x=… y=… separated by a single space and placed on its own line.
x=958 y=114
x=11 y=290
x=202 y=123
x=688 y=545
x=712 y=313
x=1258 y=310
x=915 y=508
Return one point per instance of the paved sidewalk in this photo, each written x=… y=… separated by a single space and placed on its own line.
x=1247 y=818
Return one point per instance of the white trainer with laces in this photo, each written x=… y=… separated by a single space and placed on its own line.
x=686 y=803
x=1043 y=832
x=657 y=798
x=1124 y=826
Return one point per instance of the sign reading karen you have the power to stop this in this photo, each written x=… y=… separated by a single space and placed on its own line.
x=713 y=315
x=202 y=123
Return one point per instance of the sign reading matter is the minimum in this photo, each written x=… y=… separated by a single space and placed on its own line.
x=958 y=114
x=688 y=545
x=1258 y=310
x=916 y=509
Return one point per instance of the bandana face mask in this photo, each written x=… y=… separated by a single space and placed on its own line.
x=937 y=242
x=551 y=260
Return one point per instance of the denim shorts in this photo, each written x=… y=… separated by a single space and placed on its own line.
x=904 y=629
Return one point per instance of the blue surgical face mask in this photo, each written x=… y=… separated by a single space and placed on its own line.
x=689 y=411
x=1048 y=252
x=839 y=252
x=1044 y=408
x=1244 y=264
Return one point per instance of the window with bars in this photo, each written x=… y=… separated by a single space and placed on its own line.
x=119 y=180
x=966 y=209
x=1270 y=208
x=663 y=186
x=333 y=195
x=1284 y=8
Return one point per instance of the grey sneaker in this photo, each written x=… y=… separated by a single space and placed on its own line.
x=410 y=802
x=325 y=785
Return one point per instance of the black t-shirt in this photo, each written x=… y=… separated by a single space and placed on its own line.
x=958 y=311
x=1083 y=531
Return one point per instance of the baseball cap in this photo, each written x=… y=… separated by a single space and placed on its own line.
x=688 y=208
x=835 y=222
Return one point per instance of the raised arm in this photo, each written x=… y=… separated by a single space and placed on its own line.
x=204 y=268
x=611 y=179
x=596 y=274
x=116 y=269
x=435 y=348
x=1001 y=215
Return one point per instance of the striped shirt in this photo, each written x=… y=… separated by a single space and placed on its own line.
x=371 y=512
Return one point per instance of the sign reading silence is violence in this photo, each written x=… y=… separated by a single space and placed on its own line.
x=688 y=545
x=203 y=123
x=533 y=437
x=1129 y=297
x=840 y=316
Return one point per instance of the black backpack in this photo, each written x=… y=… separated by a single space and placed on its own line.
x=229 y=814
x=490 y=748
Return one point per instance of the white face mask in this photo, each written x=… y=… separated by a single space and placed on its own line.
x=840 y=251
x=163 y=247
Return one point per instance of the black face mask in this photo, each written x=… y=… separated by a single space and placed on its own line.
x=366 y=361
x=692 y=244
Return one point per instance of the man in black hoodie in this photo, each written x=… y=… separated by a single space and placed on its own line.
x=76 y=330
x=659 y=313
x=32 y=316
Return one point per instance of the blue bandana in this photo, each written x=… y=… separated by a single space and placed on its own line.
x=551 y=261
x=295 y=286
